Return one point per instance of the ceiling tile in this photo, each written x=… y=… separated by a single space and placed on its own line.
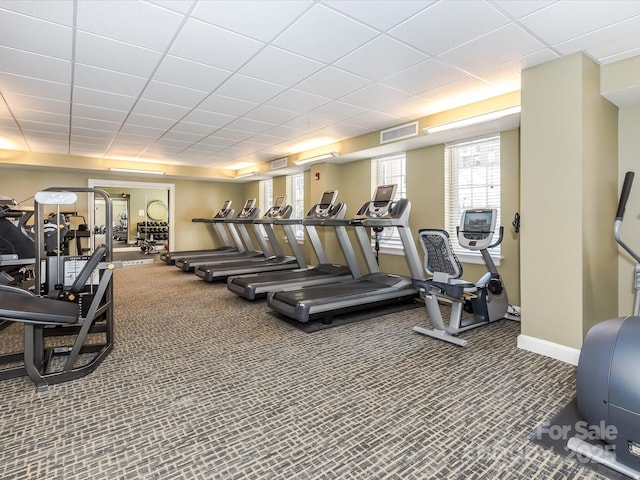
x=182 y=137
x=297 y=101
x=561 y=21
x=60 y=11
x=215 y=141
x=158 y=109
x=374 y=96
x=181 y=6
x=500 y=46
x=185 y=73
x=520 y=8
x=246 y=125
x=267 y=114
x=108 y=80
x=337 y=111
x=193 y=128
x=121 y=20
x=97 y=98
x=30 y=126
x=613 y=43
x=285 y=133
x=114 y=55
x=34 y=35
x=20 y=62
x=456 y=94
x=84 y=140
x=278 y=66
x=88 y=132
x=172 y=94
x=227 y=105
x=253 y=18
x=331 y=82
x=380 y=14
x=249 y=89
x=390 y=56
x=373 y=120
x=424 y=75
x=95 y=124
x=40 y=116
x=308 y=122
x=36 y=103
x=127 y=128
x=346 y=35
x=150 y=121
x=34 y=87
x=97 y=112
x=214 y=46
x=446 y=25
x=210 y=119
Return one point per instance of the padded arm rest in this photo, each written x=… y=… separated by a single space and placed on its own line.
x=452 y=290
x=16 y=307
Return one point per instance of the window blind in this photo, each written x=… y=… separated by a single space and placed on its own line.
x=390 y=169
x=472 y=180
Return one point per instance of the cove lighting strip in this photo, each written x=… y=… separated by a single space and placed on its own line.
x=133 y=170
x=465 y=122
x=316 y=158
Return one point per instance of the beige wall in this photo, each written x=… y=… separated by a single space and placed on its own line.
x=193 y=198
x=628 y=158
x=568 y=171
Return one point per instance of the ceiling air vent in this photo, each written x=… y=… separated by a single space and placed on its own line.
x=398 y=133
x=279 y=163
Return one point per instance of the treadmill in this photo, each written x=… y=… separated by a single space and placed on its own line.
x=375 y=289
x=325 y=213
x=279 y=213
x=246 y=249
x=224 y=213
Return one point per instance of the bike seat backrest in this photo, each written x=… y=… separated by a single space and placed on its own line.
x=93 y=262
x=439 y=257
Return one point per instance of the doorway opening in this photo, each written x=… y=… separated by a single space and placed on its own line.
x=144 y=209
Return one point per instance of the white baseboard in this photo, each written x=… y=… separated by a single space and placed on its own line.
x=549 y=349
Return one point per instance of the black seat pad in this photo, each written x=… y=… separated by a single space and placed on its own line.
x=28 y=309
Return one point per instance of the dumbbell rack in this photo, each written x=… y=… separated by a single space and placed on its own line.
x=152 y=231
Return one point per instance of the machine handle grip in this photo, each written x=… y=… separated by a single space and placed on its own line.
x=624 y=195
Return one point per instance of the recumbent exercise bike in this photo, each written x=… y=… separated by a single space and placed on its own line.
x=485 y=300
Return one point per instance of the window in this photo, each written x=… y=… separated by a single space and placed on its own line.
x=295 y=196
x=390 y=169
x=472 y=180
x=265 y=190
x=266 y=194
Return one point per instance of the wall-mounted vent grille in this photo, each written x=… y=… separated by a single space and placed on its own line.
x=279 y=163
x=398 y=133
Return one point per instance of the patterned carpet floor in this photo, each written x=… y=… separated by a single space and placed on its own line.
x=205 y=385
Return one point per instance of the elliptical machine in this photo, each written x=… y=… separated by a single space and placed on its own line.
x=486 y=300
x=608 y=386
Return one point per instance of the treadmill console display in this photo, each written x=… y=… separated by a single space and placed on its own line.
x=248 y=208
x=226 y=206
x=326 y=202
x=279 y=202
x=476 y=228
x=382 y=200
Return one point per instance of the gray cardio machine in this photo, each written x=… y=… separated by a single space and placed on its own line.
x=326 y=213
x=246 y=249
x=225 y=213
x=375 y=289
x=279 y=213
x=486 y=300
x=607 y=380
